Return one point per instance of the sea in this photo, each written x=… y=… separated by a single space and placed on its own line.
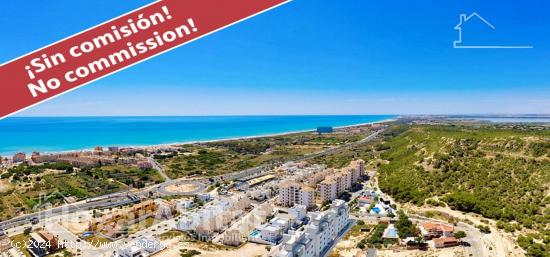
x=504 y=119
x=58 y=134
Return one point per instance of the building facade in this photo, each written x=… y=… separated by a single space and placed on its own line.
x=292 y=193
x=328 y=190
x=318 y=236
x=19 y=157
x=340 y=181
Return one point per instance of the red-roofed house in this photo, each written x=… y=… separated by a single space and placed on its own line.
x=431 y=230
x=445 y=242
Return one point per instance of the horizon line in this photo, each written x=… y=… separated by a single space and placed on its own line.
x=252 y=115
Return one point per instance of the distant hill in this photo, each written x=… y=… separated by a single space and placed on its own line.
x=501 y=173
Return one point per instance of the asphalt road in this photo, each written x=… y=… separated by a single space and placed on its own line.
x=200 y=187
x=123 y=198
x=159 y=168
x=101 y=202
x=110 y=201
x=473 y=235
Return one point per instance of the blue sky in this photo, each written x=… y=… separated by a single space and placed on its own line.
x=310 y=57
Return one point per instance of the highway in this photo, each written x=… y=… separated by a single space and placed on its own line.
x=111 y=200
x=159 y=168
x=340 y=148
x=123 y=198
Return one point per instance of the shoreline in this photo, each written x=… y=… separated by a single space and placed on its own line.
x=207 y=140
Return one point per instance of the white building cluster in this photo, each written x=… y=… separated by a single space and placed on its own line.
x=292 y=167
x=318 y=236
x=259 y=194
x=214 y=217
x=272 y=231
x=239 y=231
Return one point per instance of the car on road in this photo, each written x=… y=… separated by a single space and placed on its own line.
x=34 y=220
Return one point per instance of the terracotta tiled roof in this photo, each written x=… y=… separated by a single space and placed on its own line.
x=443 y=240
x=438 y=227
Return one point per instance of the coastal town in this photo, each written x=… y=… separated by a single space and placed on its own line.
x=293 y=208
x=275 y=128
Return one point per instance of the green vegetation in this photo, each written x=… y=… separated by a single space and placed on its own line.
x=484 y=229
x=24 y=171
x=21 y=241
x=97 y=241
x=146 y=223
x=460 y=234
x=535 y=248
x=216 y=158
x=127 y=175
x=367 y=152
x=375 y=240
x=404 y=226
x=358 y=229
x=48 y=184
x=65 y=253
x=434 y=202
x=501 y=173
x=508 y=226
x=171 y=234
x=189 y=253
x=344 y=157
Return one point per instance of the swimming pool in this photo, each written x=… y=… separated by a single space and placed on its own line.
x=392 y=232
x=255 y=233
x=87 y=234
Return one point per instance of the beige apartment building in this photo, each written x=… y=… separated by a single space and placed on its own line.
x=359 y=165
x=332 y=186
x=330 y=183
x=328 y=190
x=317 y=177
x=292 y=193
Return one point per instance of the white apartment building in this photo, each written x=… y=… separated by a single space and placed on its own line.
x=298 y=212
x=292 y=193
x=213 y=217
x=308 y=197
x=318 y=236
x=242 y=228
x=270 y=233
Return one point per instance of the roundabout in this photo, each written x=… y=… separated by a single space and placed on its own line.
x=182 y=187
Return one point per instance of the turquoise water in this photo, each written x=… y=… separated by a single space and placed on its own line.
x=504 y=119
x=254 y=233
x=392 y=232
x=52 y=134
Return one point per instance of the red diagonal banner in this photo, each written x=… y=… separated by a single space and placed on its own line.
x=115 y=45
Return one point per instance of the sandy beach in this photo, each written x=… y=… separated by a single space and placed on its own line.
x=175 y=144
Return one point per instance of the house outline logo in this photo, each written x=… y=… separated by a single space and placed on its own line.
x=463 y=18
